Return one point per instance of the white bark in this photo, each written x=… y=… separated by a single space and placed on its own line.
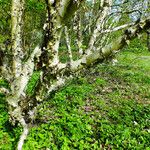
x=79 y=35
x=17 y=28
x=4 y=90
x=106 y=51
x=99 y=25
x=118 y=28
x=17 y=49
x=54 y=50
x=23 y=135
x=68 y=44
x=63 y=7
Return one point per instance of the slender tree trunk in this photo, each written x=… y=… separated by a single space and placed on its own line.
x=17 y=96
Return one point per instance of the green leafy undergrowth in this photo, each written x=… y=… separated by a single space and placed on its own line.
x=78 y=121
x=107 y=107
x=103 y=110
x=33 y=83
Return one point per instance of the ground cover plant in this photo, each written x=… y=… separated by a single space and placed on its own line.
x=106 y=107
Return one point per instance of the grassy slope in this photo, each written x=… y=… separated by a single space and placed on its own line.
x=107 y=107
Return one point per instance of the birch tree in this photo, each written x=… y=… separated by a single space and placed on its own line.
x=19 y=67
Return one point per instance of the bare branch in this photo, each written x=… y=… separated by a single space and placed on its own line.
x=118 y=28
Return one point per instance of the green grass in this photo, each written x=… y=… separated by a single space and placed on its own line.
x=107 y=107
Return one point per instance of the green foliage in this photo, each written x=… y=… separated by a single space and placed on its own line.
x=65 y=119
x=4 y=83
x=64 y=53
x=35 y=5
x=32 y=83
x=4 y=20
x=121 y=124
x=138 y=46
x=100 y=82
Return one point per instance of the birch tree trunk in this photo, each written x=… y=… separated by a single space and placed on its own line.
x=17 y=83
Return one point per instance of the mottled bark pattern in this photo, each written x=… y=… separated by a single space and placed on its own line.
x=17 y=29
